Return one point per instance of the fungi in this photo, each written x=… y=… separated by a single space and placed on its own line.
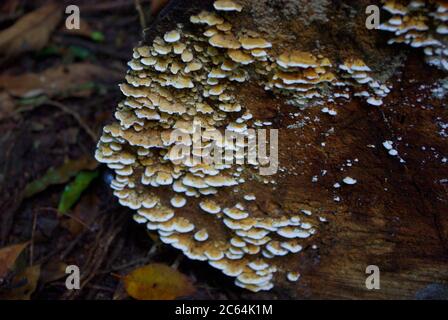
x=183 y=86
x=420 y=25
x=227 y=5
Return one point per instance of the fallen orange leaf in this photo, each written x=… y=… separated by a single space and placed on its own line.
x=52 y=271
x=157 y=281
x=8 y=257
x=24 y=284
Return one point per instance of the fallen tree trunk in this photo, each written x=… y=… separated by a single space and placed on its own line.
x=374 y=177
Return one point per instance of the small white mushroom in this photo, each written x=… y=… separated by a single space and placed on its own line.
x=201 y=235
x=210 y=206
x=227 y=5
x=172 y=36
x=293 y=276
x=178 y=201
x=349 y=180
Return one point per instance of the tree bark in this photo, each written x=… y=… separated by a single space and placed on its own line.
x=395 y=216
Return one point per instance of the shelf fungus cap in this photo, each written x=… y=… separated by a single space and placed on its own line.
x=226 y=41
x=157 y=214
x=266 y=286
x=258 y=265
x=354 y=65
x=220 y=181
x=275 y=248
x=244 y=224
x=228 y=267
x=183 y=225
x=172 y=36
x=289 y=232
x=250 y=43
x=205 y=17
x=254 y=235
x=150 y=202
x=395 y=7
x=349 y=180
x=224 y=27
x=374 y=101
x=201 y=235
x=229 y=107
x=227 y=5
x=293 y=276
x=297 y=59
x=240 y=57
x=213 y=253
x=292 y=246
x=210 y=206
x=193 y=181
x=178 y=201
x=253 y=278
x=235 y=213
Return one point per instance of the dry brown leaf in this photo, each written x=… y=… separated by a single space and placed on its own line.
x=67 y=80
x=52 y=271
x=24 y=284
x=31 y=32
x=157 y=281
x=8 y=257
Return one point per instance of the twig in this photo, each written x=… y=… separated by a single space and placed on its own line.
x=80 y=221
x=126 y=265
x=71 y=246
x=75 y=115
x=100 y=288
x=141 y=14
x=135 y=262
x=33 y=230
x=176 y=262
x=98 y=253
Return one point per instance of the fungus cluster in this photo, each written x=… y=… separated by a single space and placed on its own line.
x=420 y=24
x=184 y=82
x=301 y=74
x=359 y=75
x=309 y=79
x=187 y=83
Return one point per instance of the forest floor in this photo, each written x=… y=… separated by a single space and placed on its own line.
x=56 y=93
x=59 y=87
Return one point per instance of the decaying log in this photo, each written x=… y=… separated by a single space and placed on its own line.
x=367 y=159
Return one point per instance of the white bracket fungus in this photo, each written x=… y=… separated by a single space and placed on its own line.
x=186 y=82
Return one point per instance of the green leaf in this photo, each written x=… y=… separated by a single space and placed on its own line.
x=73 y=190
x=80 y=52
x=97 y=36
x=59 y=175
x=49 y=51
x=33 y=101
